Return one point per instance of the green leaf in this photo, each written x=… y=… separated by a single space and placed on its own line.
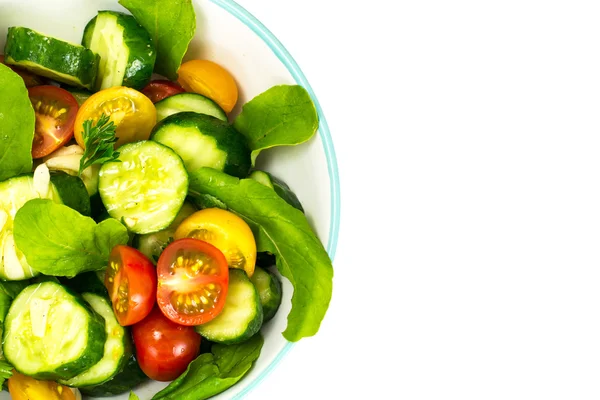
x=284 y=231
x=284 y=115
x=5 y=371
x=213 y=373
x=17 y=125
x=171 y=24
x=58 y=241
x=99 y=141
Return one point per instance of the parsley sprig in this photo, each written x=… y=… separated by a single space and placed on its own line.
x=99 y=142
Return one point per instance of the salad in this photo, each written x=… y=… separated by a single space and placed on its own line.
x=138 y=241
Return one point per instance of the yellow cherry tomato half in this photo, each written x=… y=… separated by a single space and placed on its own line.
x=224 y=230
x=22 y=387
x=210 y=80
x=132 y=112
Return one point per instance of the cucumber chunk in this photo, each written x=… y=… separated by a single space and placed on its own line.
x=117 y=348
x=242 y=315
x=127 y=55
x=131 y=376
x=279 y=186
x=268 y=286
x=153 y=244
x=188 y=102
x=55 y=59
x=146 y=188
x=81 y=95
x=50 y=333
x=204 y=141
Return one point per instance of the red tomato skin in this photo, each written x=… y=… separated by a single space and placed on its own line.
x=161 y=89
x=164 y=349
x=141 y=275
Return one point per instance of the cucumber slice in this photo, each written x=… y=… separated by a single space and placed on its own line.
x=204 y=141
x=117 y=348
x=72 y=192
x=123 y=382
x=46 y=56
x=14 y=193
x=146 y=188
x=153 y=244
x=242 y=315
x=269 y=289
x=127 y=55
x=188 y=102
x=50 y=333
x=280 y=187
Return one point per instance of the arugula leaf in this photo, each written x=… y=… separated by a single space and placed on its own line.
x=213 y=373
x=99 y=142
x=284 y=231
x=133 y=396
x=284 y=115
x=171 y=24
x=17 y=125
x=58 y=241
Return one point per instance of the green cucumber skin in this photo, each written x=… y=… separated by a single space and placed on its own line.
x=273 y=291
x=229 y=140
x=72 y=192
x=130 y=376
x=92 y=353
x=142 y=53
x=23 y=44
x=194 y=102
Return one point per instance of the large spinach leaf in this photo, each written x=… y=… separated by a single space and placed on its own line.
x=17 y=124
x=58 y=241
x=284 y=231
x=172 y=24
x=213 y=373
x=284 y=115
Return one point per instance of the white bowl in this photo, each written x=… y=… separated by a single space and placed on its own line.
x=230 y=36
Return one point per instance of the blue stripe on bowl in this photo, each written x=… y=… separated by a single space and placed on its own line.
x=285 y=57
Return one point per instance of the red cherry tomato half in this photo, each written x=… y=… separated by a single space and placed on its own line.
x=131 y=282
x=193 y=278
x=163 y=348
x=55 y=112
x=161 y=89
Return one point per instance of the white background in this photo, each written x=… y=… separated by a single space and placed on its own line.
x=468 y=139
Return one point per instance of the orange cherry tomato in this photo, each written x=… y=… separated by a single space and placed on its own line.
x=211 y=80
x=23 y=387
x=55 y=112
x=193 y=279
x=131 y=282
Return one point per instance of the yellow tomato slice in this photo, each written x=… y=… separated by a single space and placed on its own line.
x=224 y=230
x=22 y=387
x=210 y=80
x=132 y=112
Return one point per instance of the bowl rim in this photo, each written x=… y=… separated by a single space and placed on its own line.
x=334 y=180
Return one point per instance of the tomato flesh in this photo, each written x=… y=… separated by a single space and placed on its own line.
x=22 y=387
x=131 y=282
x=163 y=348
x=55 y=113
x=193 y=279
x=161 y=89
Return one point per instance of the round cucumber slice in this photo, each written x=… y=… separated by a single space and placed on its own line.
x=269 y=289
x=146 y=188
x=127 y=55
x=204 y=141
x=50 y=333
x=242 y=315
